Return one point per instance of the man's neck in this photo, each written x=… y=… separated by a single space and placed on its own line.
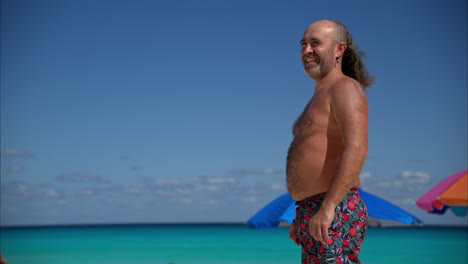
x=328 y=79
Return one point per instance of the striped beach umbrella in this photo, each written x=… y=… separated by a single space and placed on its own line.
x=451 y=193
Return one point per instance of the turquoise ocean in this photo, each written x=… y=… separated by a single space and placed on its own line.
x=215 y=244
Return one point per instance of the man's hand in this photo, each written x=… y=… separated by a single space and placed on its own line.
x=293 y=233
x=319 y=223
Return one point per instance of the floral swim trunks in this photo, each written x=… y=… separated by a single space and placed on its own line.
x=346 y=232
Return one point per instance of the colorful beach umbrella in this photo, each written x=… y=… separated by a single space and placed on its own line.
x=282 y=209
x=450 y=193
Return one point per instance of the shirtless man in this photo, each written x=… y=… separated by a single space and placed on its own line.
x=329 y=148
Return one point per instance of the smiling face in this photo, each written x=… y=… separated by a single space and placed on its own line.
x=319 y=49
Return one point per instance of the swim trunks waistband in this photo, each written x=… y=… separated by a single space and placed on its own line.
x=321 y=195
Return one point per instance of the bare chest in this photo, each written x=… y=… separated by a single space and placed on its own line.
x=315 y=116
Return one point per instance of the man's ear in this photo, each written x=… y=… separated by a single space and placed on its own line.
x=340 y=49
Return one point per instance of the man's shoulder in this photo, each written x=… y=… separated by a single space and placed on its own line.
x=346 y=88
x=346 y=83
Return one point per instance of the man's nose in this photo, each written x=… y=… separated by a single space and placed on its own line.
x=308 y=49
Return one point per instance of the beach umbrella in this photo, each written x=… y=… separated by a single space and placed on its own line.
x=282 y=209
x=451 y=193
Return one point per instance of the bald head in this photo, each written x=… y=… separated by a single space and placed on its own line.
x=333 y=29
x=326 y=24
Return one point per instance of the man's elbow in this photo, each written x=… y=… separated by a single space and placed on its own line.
x=359 y=151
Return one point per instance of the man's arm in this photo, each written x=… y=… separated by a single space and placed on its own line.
x=349 y=108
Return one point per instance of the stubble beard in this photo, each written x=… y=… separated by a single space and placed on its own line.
x=318 y=71
x=313 y=72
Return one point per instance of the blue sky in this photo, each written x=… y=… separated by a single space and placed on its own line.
x=181 y=111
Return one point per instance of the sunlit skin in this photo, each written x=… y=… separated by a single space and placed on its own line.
x=330 y=136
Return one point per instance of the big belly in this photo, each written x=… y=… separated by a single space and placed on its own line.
x=305 y=166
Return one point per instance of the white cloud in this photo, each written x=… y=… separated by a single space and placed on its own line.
x=82 y=177
x=137 y=189
x=87 y=192
x=255 y=171
x=203 y=192
x=29 y=191
x=250 y=199
x=136 y=168
x=186 y=201
x=183 y=190
x=404 y=201
x=211 y=202
x=52 y=193
x=218 y=180
x=408 y=181
x=365 y=175
x=212 y=188
x=162 y=182
x=62 y=202
x=16 y=153
x=16 y=188
x=278 y=186
x=415 y=176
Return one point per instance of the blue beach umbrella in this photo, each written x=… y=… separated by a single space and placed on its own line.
x=282 y=209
